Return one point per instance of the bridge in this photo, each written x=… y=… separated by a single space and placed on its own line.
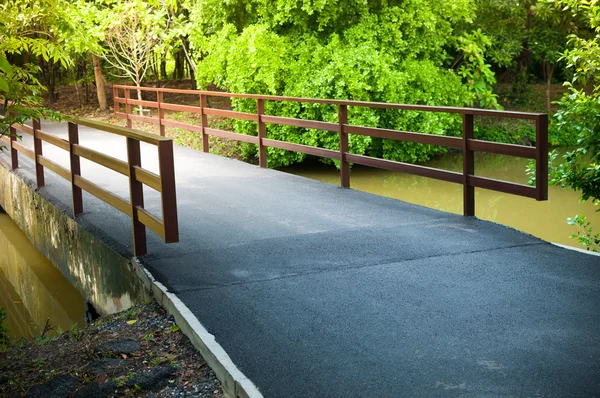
x=315 y=290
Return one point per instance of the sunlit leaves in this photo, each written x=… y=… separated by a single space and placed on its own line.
x=29 y=29
x=374 y=51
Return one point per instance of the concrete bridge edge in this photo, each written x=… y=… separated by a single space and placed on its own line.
x=103 y=277
x=234 y=382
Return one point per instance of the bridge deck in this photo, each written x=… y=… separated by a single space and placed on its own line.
x=318 y=291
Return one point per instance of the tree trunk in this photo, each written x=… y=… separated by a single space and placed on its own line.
x=85 y=83
x=77 y=91
x=163 y=66
x=524 y=58
x=155 y=66
x=179 y=71
x=192 y=77
x=191 y=66
x=99 y=82
x=87 y=92
x=138 y=84
x=48 y=74
x=549 y=69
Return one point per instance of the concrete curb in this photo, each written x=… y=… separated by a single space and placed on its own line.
x=235 y=383
x=576 y=249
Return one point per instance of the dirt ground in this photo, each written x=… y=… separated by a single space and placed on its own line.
x=139 y=352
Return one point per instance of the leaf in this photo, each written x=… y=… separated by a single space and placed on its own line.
x=3 y=85
x=131 y=322
x=5 y=65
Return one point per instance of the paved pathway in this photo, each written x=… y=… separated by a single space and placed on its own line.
x=317 y=291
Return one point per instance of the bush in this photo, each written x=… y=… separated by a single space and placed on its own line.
x=383 y=53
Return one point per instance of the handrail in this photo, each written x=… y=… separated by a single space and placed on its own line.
x=387 y=105
x=164 y=182
x=123 y=131
x=466 y=143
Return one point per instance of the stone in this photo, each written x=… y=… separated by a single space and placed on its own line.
x=96 y=390
x=155 y=379
x=105 y=365
x=122 y=346
x=59 y=387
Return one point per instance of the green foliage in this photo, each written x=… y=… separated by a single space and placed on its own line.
x=509 y=131
x=381 y=52
x=136 y=389
x=475 y=71
x=580 y=111
x=585 y=233
x=502 y=21
x=579 y=116
x=29 y=29
x=5 y=70
x=75 y=333
x=132 y=31
x=134 y=312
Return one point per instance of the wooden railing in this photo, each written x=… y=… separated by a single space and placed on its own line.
x=467 y=144
x=164 y=183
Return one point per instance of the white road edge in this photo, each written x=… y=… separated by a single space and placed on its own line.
x=591 y=253
x=235 y=384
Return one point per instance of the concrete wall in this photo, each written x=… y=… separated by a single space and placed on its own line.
x=107 y=280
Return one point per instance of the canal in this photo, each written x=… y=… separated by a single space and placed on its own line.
x=32 y=291
x=546 y=220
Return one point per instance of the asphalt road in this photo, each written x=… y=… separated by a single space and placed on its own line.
x=319 y=291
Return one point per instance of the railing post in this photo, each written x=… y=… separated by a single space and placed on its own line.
x=541 y=157
x=204 y=121
x=161 y=112
x=116 y=107
x=262 y=132
x=37 y=150
x=14 y=154
x=128 y=107
x=166 y=167
x=75 y=170
x=344 y=166
x=468 y=166
x=136 y=196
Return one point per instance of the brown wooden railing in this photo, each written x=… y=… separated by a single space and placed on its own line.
x=467 y=144
x=164 y=183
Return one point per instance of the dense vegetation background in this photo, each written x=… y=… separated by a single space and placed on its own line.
x=460 y=53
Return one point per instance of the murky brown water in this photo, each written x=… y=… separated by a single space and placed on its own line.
x=546 y=220
x=32 y=290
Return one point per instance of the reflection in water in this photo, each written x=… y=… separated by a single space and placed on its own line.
x=31 y=288
x=546 y=220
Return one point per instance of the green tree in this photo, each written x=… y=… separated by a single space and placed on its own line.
x=133 y=32
x=474 y=69
x=28 y=29
x=389 y=51
x=579 y=116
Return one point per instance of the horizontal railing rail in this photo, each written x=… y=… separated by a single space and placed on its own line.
x=164 y=182
x=467 y=143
